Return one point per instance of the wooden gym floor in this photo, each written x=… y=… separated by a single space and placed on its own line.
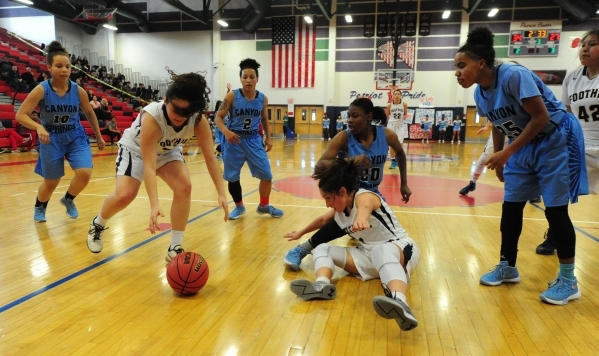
x=57 y=298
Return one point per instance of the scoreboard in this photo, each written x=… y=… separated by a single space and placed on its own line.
x=534 y=42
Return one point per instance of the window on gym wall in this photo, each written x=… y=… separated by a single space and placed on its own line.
x=313 y=115
x=303 y=114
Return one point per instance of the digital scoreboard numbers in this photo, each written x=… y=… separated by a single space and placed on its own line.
x=534 y=42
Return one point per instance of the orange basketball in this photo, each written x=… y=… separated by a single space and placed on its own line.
x=187 y=273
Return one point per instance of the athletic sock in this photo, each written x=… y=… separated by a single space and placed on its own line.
x=99 y=220
x=264 y=201
x=326 y=280
x=306 y=245
x=567 y=270
x=176 y=238
x=69 y=196
x=42 y=204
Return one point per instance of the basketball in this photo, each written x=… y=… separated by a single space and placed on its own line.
x=187 y=273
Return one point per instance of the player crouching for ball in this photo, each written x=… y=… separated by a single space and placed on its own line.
x=385 y=250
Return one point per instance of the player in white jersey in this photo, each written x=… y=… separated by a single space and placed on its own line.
x=152 y=147
x=581 y=95
x=385 y=250
x=396 y=111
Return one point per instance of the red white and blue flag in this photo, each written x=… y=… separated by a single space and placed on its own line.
x=293 y=53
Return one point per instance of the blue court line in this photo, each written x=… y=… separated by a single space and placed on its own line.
x=575 y=228
x=98 y=264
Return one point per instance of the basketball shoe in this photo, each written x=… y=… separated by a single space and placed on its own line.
x=71 y=208
x=94 y=237
x=548 y=246
x=237 y=212
x=499 y=274
x=469 y=188
x=392 y=307
x=393 y=164
x=173 y=252
x=561 y=290
x=294 y=257
x=269 y=209
x=307 y=290
x=39 y=214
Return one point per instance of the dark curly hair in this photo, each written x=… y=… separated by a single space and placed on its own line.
x=55 y=49
x=249 y=63
x=378 y=114
x=479 y=45
x=333 y=175
x=190 y=87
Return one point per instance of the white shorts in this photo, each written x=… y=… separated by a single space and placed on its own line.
x=398 y=128
x=592 y=160
x=129 y=163
x=367 y=270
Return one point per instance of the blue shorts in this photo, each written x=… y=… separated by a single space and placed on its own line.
x=553 y=167
x=72 y=145
x=250 y=150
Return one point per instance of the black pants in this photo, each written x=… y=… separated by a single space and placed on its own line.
x=112 y=135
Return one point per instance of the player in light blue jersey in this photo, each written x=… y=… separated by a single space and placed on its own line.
x=368 y=141
x=545 y=155
x=442 y=128
x=247 y=108
x=326 y=122
x=60 y=133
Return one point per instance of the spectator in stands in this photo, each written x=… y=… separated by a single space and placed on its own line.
x=133 y=89
x=73 y=59
x=13 y=79
x=14 y=137
x=85 y=63
x=90 y=95
x=112 y=130
x=140 y=90
x=137 y=104
x=43 y=76
x=102 y=72
x=32 y=134
x=28 y=82
x=105 y=112
x=5 y=67
x=96 y=105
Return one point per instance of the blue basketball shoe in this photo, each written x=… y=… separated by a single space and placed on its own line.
x=499 y=274
x=393 y=164
x=269 y=209
x=561 y=290
x=294 y=257
x=71 y=208
x=39 y=214
x=237 y=212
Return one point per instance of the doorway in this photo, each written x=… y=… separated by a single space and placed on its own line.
x=473 y=124
x=276 y=113
x=308 y=121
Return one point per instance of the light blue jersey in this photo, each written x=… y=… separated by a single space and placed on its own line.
x=60 y=117
x=245 y=114
x=326 y=123
x=502 y=102
x=377 y=152
x=442 y=125
x=60 y=113
x=552 y=163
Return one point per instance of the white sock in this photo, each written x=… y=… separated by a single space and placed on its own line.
x=326 y=280
x=401 y=296
x=176 y=238
x=306 y=246
x=99 y=220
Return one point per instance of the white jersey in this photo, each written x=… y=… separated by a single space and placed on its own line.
x=582 y=94
x=385 y=226
x=170 y=138
x=396 y=113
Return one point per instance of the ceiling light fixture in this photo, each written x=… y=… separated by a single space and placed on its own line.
x=348 y=18
x=446 y=14
x=223 y=23
x=308 y=19
x=26 y=2
x=493 y=12
x=110 y=27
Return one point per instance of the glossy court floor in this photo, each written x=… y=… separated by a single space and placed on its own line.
x=57 y=298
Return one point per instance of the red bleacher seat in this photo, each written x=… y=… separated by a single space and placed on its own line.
x=7 y=115
x=7 y=107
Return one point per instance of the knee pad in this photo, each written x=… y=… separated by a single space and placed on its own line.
x=383 y=254
x=562 y=230
x=329 y=256
x=386 y=260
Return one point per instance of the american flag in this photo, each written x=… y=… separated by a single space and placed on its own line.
x=384 y=49
x=293 y=53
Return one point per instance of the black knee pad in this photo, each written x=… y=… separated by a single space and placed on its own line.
x=235 y=191
x=562 y=231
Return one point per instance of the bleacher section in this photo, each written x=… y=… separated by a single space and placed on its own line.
x=21 y=55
